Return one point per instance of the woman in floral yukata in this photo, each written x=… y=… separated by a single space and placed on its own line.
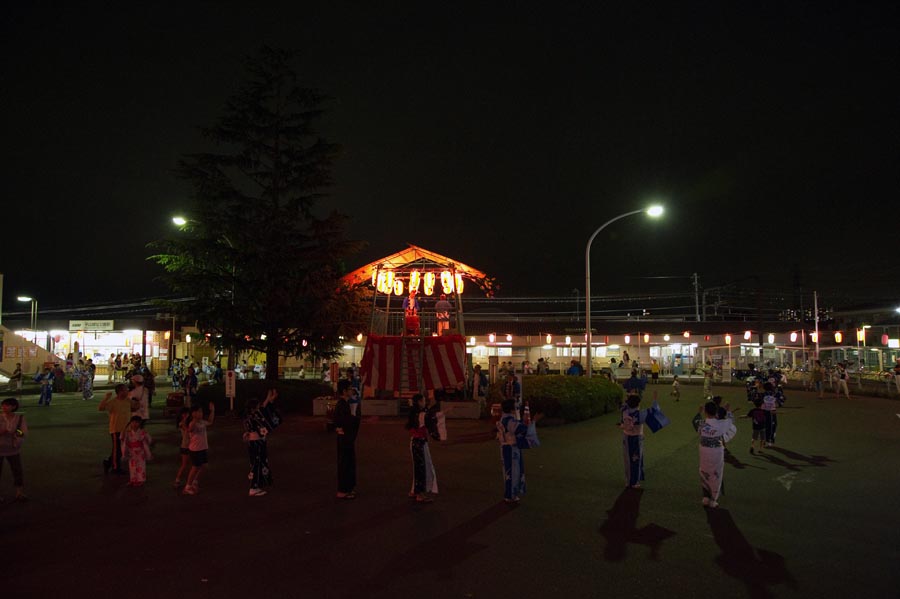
x=258 y=421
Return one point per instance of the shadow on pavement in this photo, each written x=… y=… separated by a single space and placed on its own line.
x=813 y=460
x=734 y=461
x=439 y=554
x=757 y=568
x=620 y=528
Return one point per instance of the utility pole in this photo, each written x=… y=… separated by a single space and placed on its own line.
x=697 y=296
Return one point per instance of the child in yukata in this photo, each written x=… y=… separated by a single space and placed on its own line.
x=136 y=449
x=633 y=441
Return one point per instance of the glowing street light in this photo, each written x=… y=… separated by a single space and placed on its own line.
x=34 y=312
x=652 y=211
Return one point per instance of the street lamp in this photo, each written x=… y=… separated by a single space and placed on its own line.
x=653 y=211
x=33 y=321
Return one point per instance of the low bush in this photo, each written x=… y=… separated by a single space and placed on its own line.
x=294 y=396
x=571 y=398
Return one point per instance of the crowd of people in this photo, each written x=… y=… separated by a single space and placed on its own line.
x=128 y=412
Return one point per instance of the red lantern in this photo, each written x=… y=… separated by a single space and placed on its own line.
x=884 y=340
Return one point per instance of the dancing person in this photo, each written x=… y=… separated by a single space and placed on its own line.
x=633 y=441
x=259 y=420
x=714 y=433
x=198 y=446
x=509 y=430
x=423 y=468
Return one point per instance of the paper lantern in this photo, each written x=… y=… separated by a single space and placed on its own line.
x=687 y=334
x=398 y=287
x=646 y=338
x=627 y=339
x=509 y=337
x=414 y=279
x=838 y=337
x=389 y=281
x=861 y=335
x=447 y=282
x=459 y=283
x=771 y=338
x=382 y=281
x=359 y=337
x=793 y=337
x=568 y=340
x=666 y=337
x=492 y=337
x=549 y=339
x=884 y=339
x=814 y=337
x=429 y=283
x=747 y=335
x=727 y=339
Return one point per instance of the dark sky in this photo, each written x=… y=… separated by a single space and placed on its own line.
x=501 y=135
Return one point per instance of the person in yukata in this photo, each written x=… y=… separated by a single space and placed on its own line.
x=509 y=429
x=136 y=451
x=633 y=441
x=714 y=434
x=259 y=420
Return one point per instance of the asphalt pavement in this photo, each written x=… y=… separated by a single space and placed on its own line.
x=815 y=516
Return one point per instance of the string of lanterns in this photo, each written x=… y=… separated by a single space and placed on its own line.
x=387 y=281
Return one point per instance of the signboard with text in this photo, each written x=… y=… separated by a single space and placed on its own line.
x=90 y=325
x=229 y=383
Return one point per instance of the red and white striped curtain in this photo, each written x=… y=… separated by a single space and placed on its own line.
x=444 y=362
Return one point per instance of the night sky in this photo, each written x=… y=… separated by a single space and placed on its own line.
x=499 y=135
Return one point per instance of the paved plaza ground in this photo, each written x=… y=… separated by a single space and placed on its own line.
x=817 y=516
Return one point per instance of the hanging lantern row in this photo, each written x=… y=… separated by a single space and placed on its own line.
x=386 y=281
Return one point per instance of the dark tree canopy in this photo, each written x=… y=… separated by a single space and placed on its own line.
x=264 y=269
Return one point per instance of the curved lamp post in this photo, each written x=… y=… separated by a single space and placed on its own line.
x=653 y=211
x=34 y=308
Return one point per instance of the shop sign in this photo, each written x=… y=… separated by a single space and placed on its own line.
x=90 y=325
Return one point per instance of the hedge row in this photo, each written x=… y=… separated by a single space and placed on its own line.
x=572 y=398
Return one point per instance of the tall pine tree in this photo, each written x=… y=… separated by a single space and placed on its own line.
x=263 y=268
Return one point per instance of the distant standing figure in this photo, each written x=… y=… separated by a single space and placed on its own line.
x=676 y=388
x=347 y=427
x=16 y=378
x=442 y=314
x=842 y=377
x=654 y=372
x=46 y=379
x=190 y=385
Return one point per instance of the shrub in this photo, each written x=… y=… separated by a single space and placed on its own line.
x=572 y=398
x=293 y=395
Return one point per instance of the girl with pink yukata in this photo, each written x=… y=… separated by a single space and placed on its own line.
x=136 y=449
